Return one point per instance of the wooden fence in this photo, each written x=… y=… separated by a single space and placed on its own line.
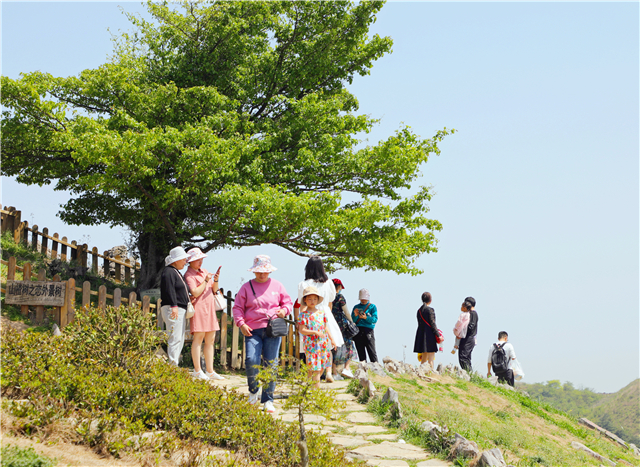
x=229 y=337
x=121 y=270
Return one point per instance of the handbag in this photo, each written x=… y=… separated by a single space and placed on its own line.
x=440 y=336
x=276 y=327
x=220 y=301
x=350 y=329
x=191 y=310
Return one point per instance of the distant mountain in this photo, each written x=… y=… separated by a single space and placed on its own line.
x=618 y=412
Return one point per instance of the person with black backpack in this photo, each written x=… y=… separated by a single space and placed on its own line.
x=501 y=355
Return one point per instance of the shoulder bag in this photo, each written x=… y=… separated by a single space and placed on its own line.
x=351 y=330
x=276 y=327
x=220 y=301
x=190 y=308
x=440 y=336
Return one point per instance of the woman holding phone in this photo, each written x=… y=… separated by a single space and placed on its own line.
x=204 y=323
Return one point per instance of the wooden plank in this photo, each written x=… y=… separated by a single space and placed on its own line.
x=42 y=276
x=243 y=354
x=105 y=264
x=146 y=301
x=296 y=312
x=74 y=250
x=117 y=298
x=84 y=255
x=283 y=355
x=26 y=276
x=290 y=353
x=86 y=294
x=24 y=232
x=54 y=247
x=223 y=340
x=44 y=242
x=159 y=319
x=11 y=269
x=102 y=297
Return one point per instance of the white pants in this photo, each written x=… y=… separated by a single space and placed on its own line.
x=175 y=332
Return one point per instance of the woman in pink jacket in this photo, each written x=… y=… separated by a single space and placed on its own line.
x=257 y=301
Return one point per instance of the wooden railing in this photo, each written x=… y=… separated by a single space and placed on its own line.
x=230 y=343
x=121 y=270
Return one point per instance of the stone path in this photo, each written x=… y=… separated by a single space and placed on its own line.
x=353 y=428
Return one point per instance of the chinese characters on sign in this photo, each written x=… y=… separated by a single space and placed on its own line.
x=35 y=293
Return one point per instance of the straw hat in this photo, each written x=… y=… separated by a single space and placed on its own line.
x=176 y=254
x=262 y=263
x=311 y=290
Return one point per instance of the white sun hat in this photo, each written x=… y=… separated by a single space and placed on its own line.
x=262 y=263
x=176 y=254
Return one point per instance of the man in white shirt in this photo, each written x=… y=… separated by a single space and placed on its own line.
x=501 y=354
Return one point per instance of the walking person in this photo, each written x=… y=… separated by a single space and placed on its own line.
x=343 y=355
x=425 y=343
x=258 y=301
x=175 y=298
x=469 y=341
x=204 y=323
x=315 y=276
x=365 y=316
x=314 y=326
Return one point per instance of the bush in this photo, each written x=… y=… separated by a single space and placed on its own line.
x=13 y=456
x=102 y=370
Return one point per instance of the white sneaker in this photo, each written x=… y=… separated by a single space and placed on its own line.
x=214 y=375
x=253 y=398
x=269 y=408
x=201 y=375
x=347 y=373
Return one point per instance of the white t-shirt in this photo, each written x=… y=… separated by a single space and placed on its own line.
x=508 y=350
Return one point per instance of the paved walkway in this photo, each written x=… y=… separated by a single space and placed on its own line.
x=353 y=428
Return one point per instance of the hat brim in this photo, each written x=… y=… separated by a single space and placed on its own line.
x=197 y=257
x=263 y=269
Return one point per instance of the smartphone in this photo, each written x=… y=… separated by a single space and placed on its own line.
x=218 y=271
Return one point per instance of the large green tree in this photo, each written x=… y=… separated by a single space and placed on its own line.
x=227 y=124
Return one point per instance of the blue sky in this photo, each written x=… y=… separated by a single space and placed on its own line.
x=537 y=191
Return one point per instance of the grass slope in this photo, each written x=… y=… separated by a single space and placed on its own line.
x=528 y=432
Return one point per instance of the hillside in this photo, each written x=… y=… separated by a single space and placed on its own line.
x=618 y=412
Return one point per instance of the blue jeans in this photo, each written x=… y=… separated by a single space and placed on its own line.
x=257 y=346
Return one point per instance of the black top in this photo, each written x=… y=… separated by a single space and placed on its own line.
x=173 y=291
x=472 y=328
x=426 y=334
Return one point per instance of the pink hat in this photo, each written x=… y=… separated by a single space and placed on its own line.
x=262 y=263
x=195 y=254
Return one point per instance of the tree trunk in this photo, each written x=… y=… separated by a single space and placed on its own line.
x=153 y=249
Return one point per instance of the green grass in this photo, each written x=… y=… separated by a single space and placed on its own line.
x=13 y=456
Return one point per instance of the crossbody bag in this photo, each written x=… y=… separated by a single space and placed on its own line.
x=276 y=327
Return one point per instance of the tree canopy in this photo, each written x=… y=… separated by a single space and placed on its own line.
x=228 y=124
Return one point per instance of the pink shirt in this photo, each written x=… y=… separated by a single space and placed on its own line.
x=255 y=311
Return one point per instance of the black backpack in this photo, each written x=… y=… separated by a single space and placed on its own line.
x=499 y=361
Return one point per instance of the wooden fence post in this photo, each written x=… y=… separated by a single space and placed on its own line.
x=34 y=237
x=74 y=250
x=71 y=300
x=45 y=242
x=296 y=312
x=146 y=304
x=159 y=318
x=234 y=346
x=42 y=276
x=118 y=269
x=63 y=249
x=86 y=294
x=102 y=297
x=84 y=250
x=94 y=260
x=24 y=232
x=54 y=246
x=117 y=297
x=223 y=339
x=26 y=276
x=127 y=271
x=56 y=310
x=105 y=264
x=11 y=269
x=17 y=220
x=133 y=299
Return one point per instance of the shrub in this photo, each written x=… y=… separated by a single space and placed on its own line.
x=13 y=456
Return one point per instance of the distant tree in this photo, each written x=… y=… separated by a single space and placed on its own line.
x=228 y=124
